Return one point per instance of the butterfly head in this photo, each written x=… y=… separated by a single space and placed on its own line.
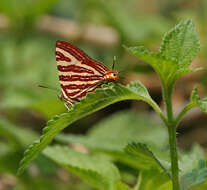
x=111 y=75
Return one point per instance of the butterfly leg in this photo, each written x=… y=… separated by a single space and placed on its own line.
x=68 y=108
x=69 y=105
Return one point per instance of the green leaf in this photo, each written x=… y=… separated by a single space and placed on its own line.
x=122 y=186
x=153 y=180
x=103 y=136
x=167 y=69
x=148 y=25
x=96 y=171
x=197 y=176
x=4 y=148
x=16 y=136
x=155 y=176
x=142 y=155
x=181 y=43
x=191 y=169
x=26 y=9
x=189 y=160
x=183 y=71
x=197 y=101
x=112 y=134
x=108 y=94
x=115 y=155
x=48 y=107
x=9 y=162
x=160 y=64
x=131 y=126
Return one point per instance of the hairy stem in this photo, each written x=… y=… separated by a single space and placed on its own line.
x=171 y=124
x=173 y=155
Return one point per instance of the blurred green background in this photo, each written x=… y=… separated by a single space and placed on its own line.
x=29 y=30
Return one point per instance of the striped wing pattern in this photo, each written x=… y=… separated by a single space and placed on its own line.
x=78 y=73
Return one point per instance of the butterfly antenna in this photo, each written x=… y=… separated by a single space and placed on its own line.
x=48 y=87
x=114 y=61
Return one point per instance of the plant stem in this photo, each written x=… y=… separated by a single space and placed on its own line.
x=183 y=112
x=173 y=155
x=139 y=179
x=171 y=124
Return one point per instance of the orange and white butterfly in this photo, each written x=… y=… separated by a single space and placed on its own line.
x=78 y=73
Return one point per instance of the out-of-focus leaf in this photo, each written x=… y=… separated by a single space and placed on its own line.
x=153 y=180
x=189 y=160
x=17 y=136
x=98 y=172
x=193 y=171
x=121 y=186
x=48 y=107
x=194 y=177
x=132 y=126
x=24 y=11
x=9 y=162
x=24 y=67
x=4 y=148
x=126 y=125
x=132 y=27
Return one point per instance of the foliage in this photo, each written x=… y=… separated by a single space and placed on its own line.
x=15 y=139
x=99 y=138
x=93 y=102
x=25 y=12
x=196 y=176
x=96 y=171
x=142 y=152
x=15 y=135
x=127 y=150
x=180 y=45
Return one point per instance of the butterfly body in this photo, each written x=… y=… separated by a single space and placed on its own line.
x=78 y=73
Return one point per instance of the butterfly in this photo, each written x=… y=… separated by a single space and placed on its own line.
x=78 y=73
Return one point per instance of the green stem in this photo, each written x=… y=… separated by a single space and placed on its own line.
x=173 y=155
x=139 y=180
x=158 y=110
x=183 y=112
x=171 y=124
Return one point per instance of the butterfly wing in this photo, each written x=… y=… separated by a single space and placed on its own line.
x=78 y=73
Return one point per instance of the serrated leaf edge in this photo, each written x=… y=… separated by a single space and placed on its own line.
x=28 y=152
x=133 y=145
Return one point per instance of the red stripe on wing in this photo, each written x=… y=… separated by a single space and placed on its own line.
x=81 y=56
x=78 y=86
x=83 y=89
x=74 y=68
x=84 y=93
x=71 y=94
x=80 y=78
x=61 y=57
